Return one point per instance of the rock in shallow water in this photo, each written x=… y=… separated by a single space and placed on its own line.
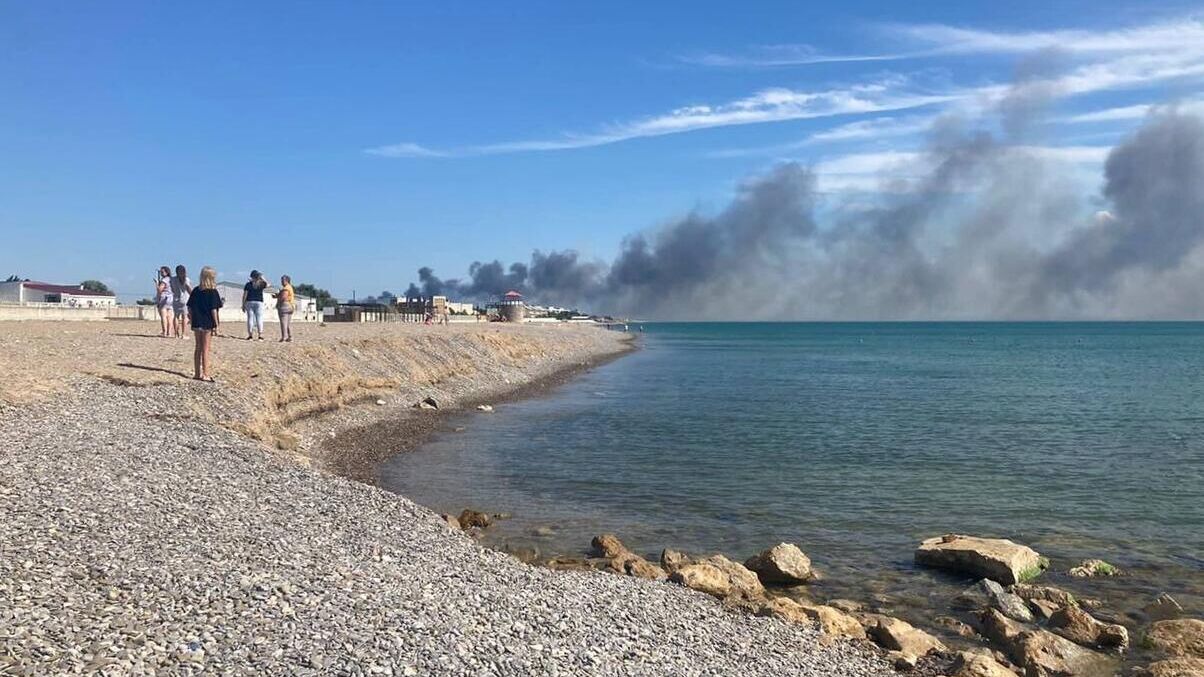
x=998 y=559
x=783 y=564
x=1079 y=626
x=1180 y=637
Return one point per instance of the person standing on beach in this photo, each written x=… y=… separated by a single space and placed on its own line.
x=181 y=289
x=163 y=302
x=285 y=305
x=203 y=306
x=252 y=303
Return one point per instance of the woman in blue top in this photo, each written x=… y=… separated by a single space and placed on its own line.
x=252 y=303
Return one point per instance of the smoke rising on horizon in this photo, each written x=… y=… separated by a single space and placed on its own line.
x=988 y=230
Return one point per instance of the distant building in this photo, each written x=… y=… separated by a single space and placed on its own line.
x=511 y=308
x=71 y=296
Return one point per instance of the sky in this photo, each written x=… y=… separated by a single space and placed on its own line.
x=350 y=145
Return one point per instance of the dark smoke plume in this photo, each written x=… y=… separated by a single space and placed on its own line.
x=988 y=230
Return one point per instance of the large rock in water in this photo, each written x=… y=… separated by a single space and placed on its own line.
x=1040 y=652
x=987 y=593
x=783 y=564
x=1180 y=637
x=998 y=559
x=1174 y=667
x=1081 y=627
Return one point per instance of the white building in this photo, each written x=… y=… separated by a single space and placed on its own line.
x=70 y=296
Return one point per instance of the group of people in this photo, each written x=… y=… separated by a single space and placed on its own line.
x=180 y=306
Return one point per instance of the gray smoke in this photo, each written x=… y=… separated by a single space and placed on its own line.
x=988 y=230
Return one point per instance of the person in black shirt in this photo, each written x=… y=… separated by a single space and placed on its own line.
x=203 y=306
x=252 y=303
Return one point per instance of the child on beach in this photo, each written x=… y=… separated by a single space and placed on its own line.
x=203 y=306
x=252 y=303
x=164 y=301
x=285 y=305
x=181 y=289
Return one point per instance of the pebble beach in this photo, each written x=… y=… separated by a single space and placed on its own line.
x=157 y=525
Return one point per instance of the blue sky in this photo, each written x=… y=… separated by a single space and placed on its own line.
x=348 y=145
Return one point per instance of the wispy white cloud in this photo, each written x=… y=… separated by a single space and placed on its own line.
x=862 y=130
x=1169 y=53
x=777 y=56
x=1159 y=37
x=404 y=150
x=770 y=105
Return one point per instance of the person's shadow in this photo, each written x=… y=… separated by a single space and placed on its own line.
x=143 y=367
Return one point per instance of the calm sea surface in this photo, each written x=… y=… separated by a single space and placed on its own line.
x=856 y=441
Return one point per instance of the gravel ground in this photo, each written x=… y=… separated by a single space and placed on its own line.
x=136 y=541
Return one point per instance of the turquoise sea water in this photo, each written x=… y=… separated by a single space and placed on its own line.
x=856 y=441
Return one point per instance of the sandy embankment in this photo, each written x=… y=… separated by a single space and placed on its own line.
x=293 y=396
x=140 y=538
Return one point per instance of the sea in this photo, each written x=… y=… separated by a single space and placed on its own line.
x=856 y=441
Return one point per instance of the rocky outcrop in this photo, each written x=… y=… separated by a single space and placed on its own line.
x=1047 y=593
x=1173 y=667
x=703 y=578
x=1040 y=652
x=639 y=567
x=1093 y=567
x=607 y=546
x=1081 y=627
x=472 y=519
x=989 y=594
x=1164 y=607
x=741 y=581
x=451 y=522
x=955 y=626
x=609 y=549
x=998 y=559
x=899 y=635
x=672 y=560
x=1183 y=637
x=978 y=664
x=834 y=622
x=783 y=564
x=785 y=609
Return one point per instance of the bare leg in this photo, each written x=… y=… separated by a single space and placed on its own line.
x=205 y=339
x=197 y=352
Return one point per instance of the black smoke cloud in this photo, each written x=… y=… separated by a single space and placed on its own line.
x=988 y=229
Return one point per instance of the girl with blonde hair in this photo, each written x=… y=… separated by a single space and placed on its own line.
x=203 y=306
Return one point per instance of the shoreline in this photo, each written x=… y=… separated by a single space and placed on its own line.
x=357 y=451
x=144 y=532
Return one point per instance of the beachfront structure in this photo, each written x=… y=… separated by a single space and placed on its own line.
x=26 y=292
x=511 y=308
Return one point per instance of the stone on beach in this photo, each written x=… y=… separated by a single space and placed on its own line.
x=1173 y=667
x=474 y=519
x=703 y=578
x=979 y=664
x=1081 y=627
x=988 y=593
x=451 y=521
x=1163 y=607
x=899 y=635
x=672 y=560
x=782 y=564
x=785 y=609
x=608 y=546
x=998 y=559
x=1040 y=652
x=1183 y=637
x=834 y=622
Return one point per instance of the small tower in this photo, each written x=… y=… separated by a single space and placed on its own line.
x=511 y=308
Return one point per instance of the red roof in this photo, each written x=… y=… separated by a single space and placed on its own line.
x=513 y=295
x=74 y=290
